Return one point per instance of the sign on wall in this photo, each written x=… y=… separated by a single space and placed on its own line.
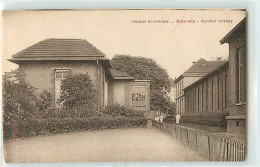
x=138 y=96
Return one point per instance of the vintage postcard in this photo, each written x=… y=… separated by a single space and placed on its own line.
x=124 y=85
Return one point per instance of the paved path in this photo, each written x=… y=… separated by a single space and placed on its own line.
x=140 y=144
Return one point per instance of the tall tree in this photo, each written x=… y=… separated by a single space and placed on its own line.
x=147 y=69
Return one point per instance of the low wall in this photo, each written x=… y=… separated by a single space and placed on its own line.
x=214 y=147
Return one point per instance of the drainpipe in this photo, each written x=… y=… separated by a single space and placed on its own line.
x=98 y=82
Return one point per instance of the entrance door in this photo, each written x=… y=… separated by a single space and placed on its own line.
x=59 y=76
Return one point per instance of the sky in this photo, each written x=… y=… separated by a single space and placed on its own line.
x=173 y=45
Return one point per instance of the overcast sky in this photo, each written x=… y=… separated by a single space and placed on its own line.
x=172 y=45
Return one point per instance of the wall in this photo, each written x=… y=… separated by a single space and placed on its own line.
x=237 y=109
x=41 y=74
x=197 y=99
x=121 y=91
x=180 y=97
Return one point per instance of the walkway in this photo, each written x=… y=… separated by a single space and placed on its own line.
x=140 y=144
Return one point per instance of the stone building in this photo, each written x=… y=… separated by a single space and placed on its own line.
x=195 y=72
x=44 y=65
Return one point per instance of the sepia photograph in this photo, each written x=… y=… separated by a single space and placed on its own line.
x=124 y=85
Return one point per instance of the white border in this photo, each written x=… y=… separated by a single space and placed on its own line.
x=253 y=38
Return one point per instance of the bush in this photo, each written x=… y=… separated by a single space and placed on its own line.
x=117 y=110
x=60 y=120
x=170 y=119
x=54 y=126
x=44 y=100
x=215 y=119
x=78 y=90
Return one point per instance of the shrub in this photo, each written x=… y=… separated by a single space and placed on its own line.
x=19 y=102
x=78 y=90
x=44 y=100
x=60 y=120
x=56 y=125
x=117 y=110
x=215 y=119
x=170 y=119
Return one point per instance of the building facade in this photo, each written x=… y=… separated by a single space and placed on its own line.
x=236 y=39
x=45 y=64
x=224 y=88
x=210 y=93
x=194 y=73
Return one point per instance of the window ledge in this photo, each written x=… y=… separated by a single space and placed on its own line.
x=240 y=104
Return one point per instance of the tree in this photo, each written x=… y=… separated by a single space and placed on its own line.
x=19 y=104
x=78 y=90
x=147 y=69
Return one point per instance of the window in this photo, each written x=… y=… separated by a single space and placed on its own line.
x=237 y=123
x=218 y=94
x=212 y=94
x=225 y=97
x=198 y=99
x=61 y=74
x=207 y=96
x=239 y=59
x=176 y=91
x=194 y=108
x=202 y=97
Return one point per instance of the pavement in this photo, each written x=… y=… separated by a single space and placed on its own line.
x=128 y=145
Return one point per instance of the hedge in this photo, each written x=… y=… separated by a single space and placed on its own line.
x=170 y=119
x=53 y=121
x=214 y=119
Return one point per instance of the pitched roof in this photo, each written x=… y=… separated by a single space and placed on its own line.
x=60 y=48
x=118 y=75
x=236 y=31
x=224 y=64
x=200 y=68
x=203 y=66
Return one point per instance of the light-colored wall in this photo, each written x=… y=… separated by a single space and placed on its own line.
x=121 y=92
x=41 y=75
x=189 y=80
x=179 y=93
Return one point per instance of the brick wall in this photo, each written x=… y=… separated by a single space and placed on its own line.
x=197 y=99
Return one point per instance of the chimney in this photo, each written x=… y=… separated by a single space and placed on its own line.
x=219 y=58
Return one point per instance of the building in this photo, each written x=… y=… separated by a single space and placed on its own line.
x=195 y=72
x=209 y=93
x=236 y=39
x=11 y=76
x=44 y=65
x=224 y=88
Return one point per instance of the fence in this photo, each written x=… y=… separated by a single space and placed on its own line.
x=214 y=147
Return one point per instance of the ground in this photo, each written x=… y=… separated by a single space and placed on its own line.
x=139 y=144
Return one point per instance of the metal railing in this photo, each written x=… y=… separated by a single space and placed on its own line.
x=213 y=146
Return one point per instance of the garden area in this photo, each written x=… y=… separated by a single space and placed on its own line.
x=27 y=113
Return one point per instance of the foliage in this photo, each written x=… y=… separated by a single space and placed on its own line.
x=54 y=126
x=216 y=118
x=44 y=100
x=147 y=69
x=19 y=101
x=117 y=110
x=78 y=90
x=60 y=120
x=170 y=119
